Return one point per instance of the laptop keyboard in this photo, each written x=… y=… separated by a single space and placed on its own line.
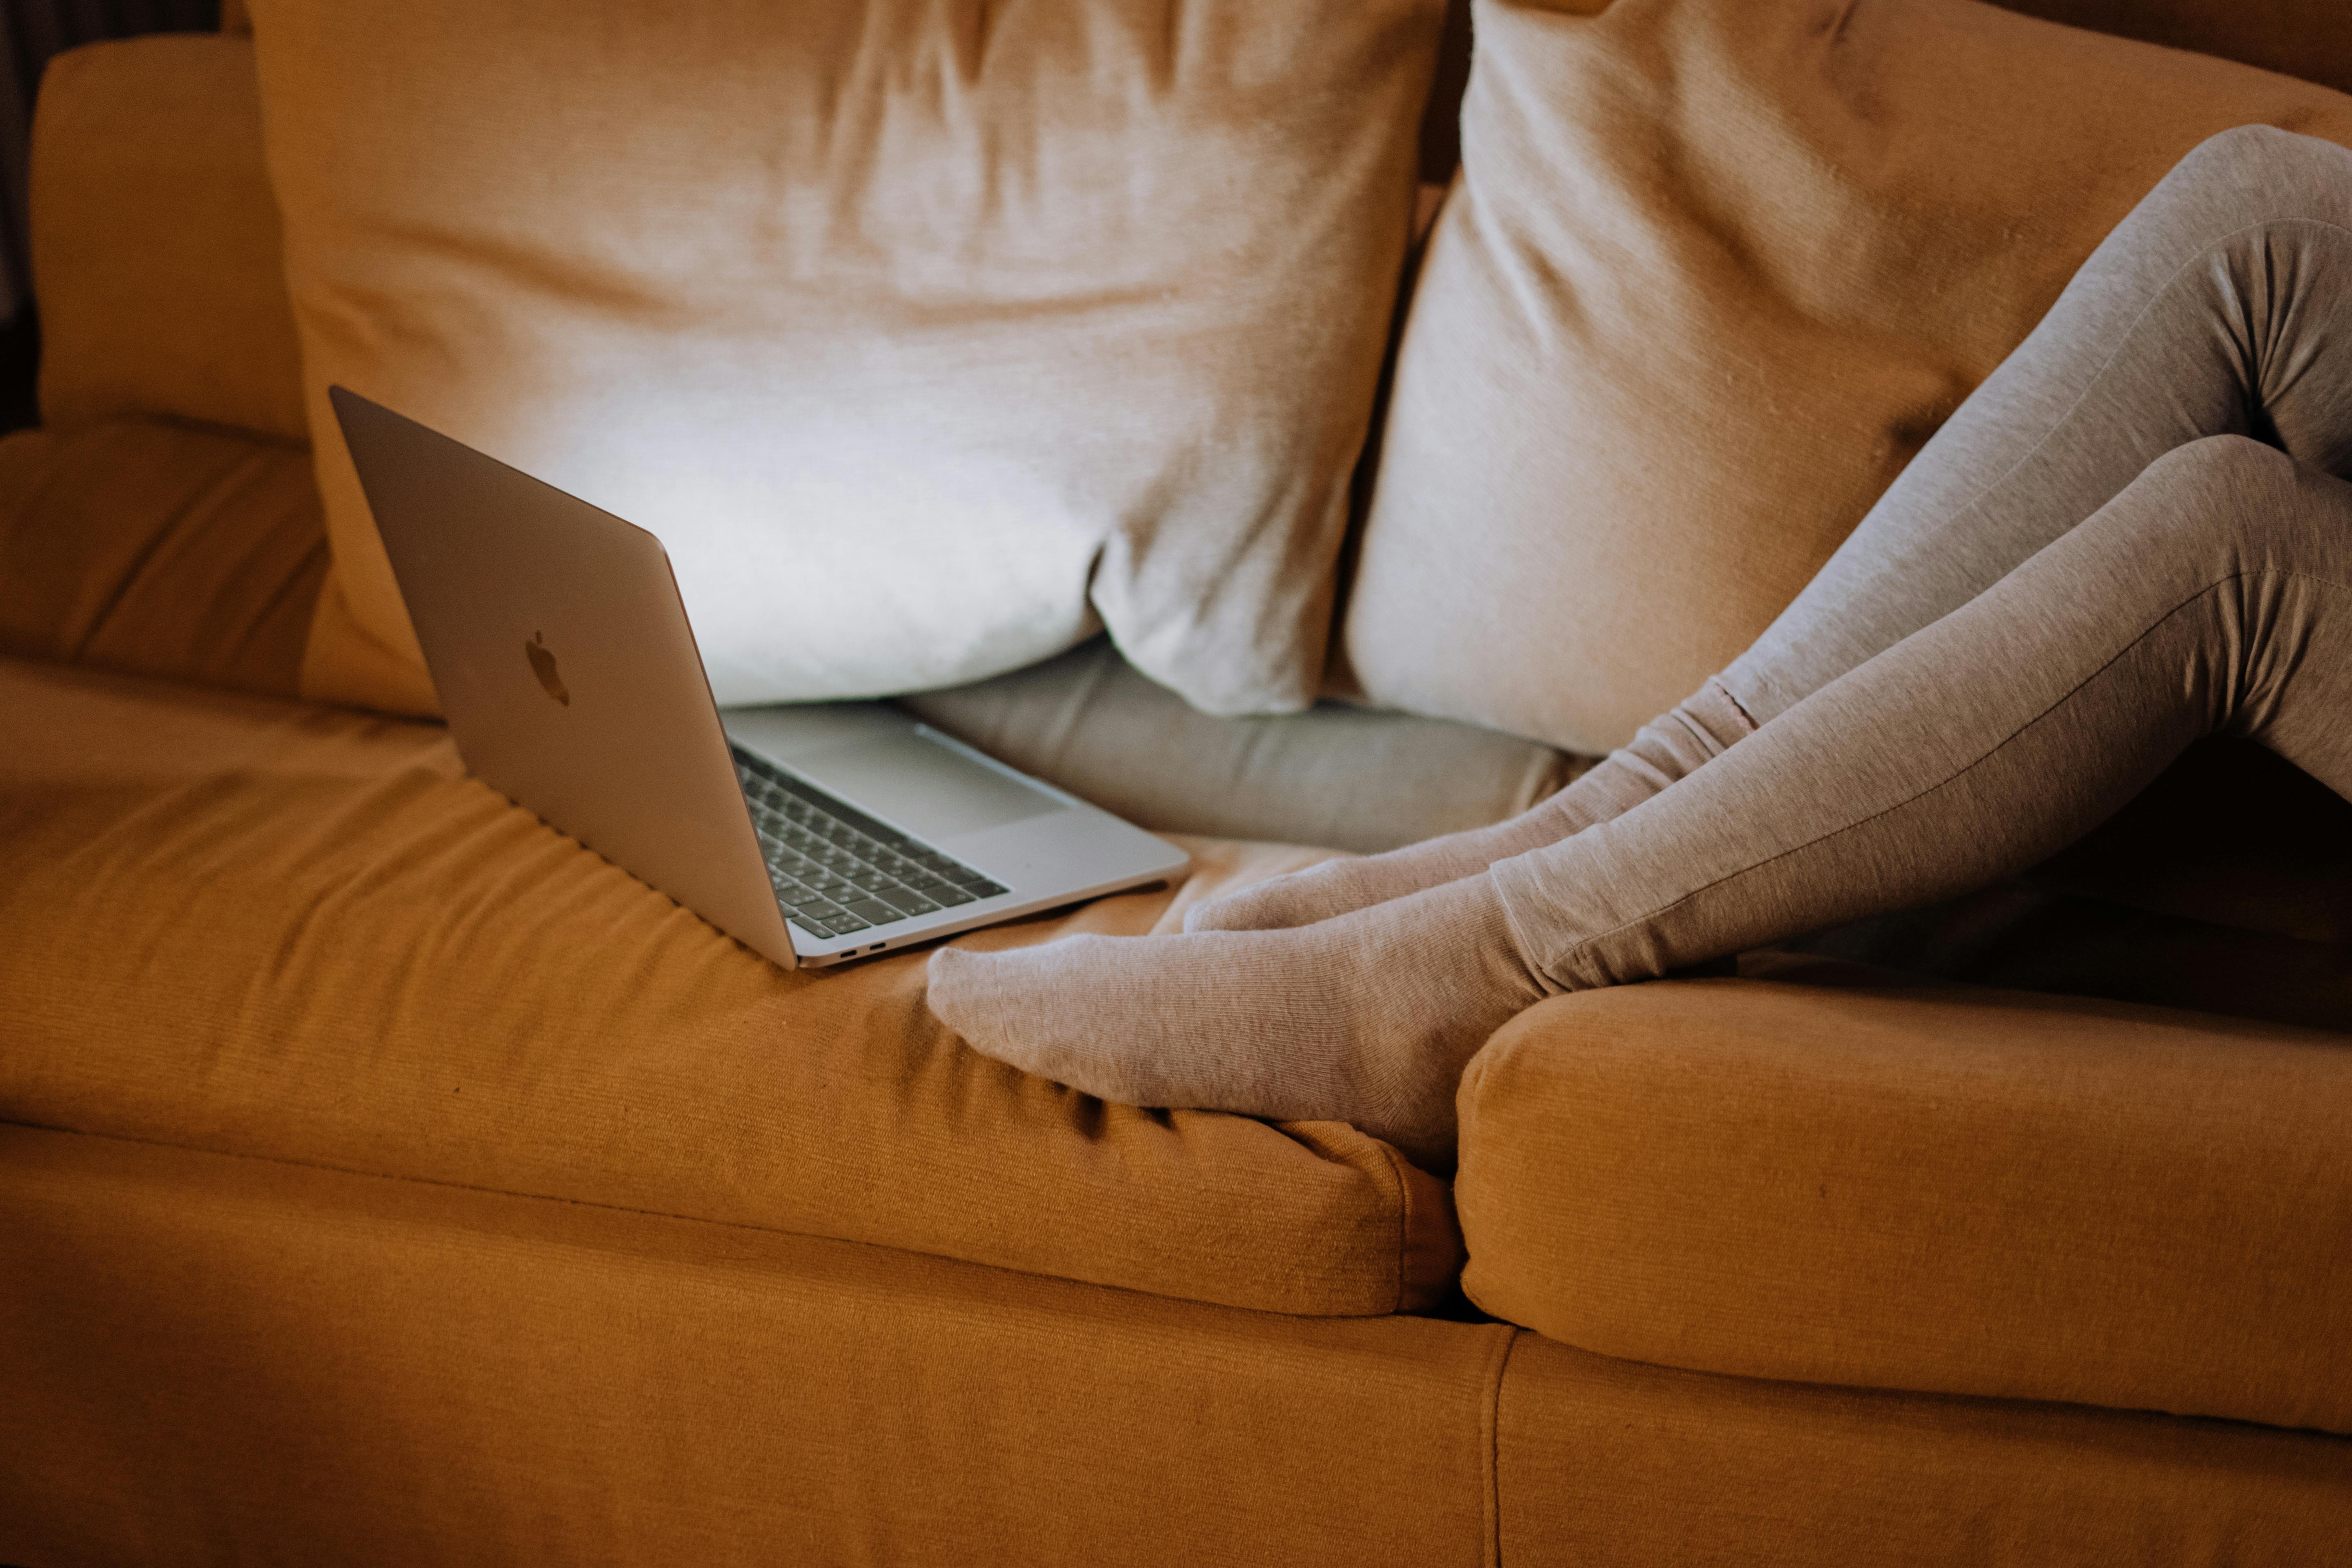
x=837 y=870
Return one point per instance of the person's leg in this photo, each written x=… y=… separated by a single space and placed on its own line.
x=2223 y=305
x=1667 y=748
x=2214 y=593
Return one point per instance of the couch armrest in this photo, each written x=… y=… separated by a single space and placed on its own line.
x=155 y=242
x=1932 y=1188
x=155 y=549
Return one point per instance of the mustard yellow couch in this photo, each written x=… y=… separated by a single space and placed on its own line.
x=384 y=1178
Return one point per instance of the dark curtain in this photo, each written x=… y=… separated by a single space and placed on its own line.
x=30 y=32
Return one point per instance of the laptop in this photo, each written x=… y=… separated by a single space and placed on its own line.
x=813 y=833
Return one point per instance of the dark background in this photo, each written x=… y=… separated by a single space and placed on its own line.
x=30 y=32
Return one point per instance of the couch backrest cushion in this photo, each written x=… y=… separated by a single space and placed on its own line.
x=156 y=261
x=930 y=339
x=2307 y=39
x=1711 y=272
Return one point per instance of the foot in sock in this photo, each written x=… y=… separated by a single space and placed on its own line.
x=1368 y=1018
x=1668 y=749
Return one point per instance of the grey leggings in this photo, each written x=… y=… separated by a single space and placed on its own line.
x=2129 y=538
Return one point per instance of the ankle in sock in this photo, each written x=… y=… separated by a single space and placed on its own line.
x=1667 y=748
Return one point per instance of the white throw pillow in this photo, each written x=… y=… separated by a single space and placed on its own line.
x=929 y=337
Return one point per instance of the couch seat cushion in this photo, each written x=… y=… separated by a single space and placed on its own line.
x=1929 y=1187
x=267 y=928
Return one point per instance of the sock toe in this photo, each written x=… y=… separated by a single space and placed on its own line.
x=1026 y=1008
x=956 y=985
x=982 y=997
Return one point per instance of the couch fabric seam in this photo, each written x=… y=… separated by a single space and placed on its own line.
x=1492 y=1420
x=1404 y=1224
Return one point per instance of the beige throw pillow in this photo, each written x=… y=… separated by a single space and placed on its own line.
x=930 y=338
x=1713 y=271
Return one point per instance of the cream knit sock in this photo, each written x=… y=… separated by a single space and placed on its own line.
x=1668 y=747
x=1368 y=1018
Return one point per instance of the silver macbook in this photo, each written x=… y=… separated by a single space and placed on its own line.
x=813 y=833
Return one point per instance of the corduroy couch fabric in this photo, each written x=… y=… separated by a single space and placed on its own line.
x=1927 y=1187
x=302 y=934
x=215 y=1360
x=308 y=1365
x=153 y=548
x=1601 y=1463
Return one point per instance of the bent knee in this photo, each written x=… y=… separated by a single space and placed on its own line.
x=2219 y=476
x=2260 y=171
x=2235 y=461
x=2236 y=496
x=2242 y=147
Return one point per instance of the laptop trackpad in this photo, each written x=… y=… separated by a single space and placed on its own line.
x=925 y=788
